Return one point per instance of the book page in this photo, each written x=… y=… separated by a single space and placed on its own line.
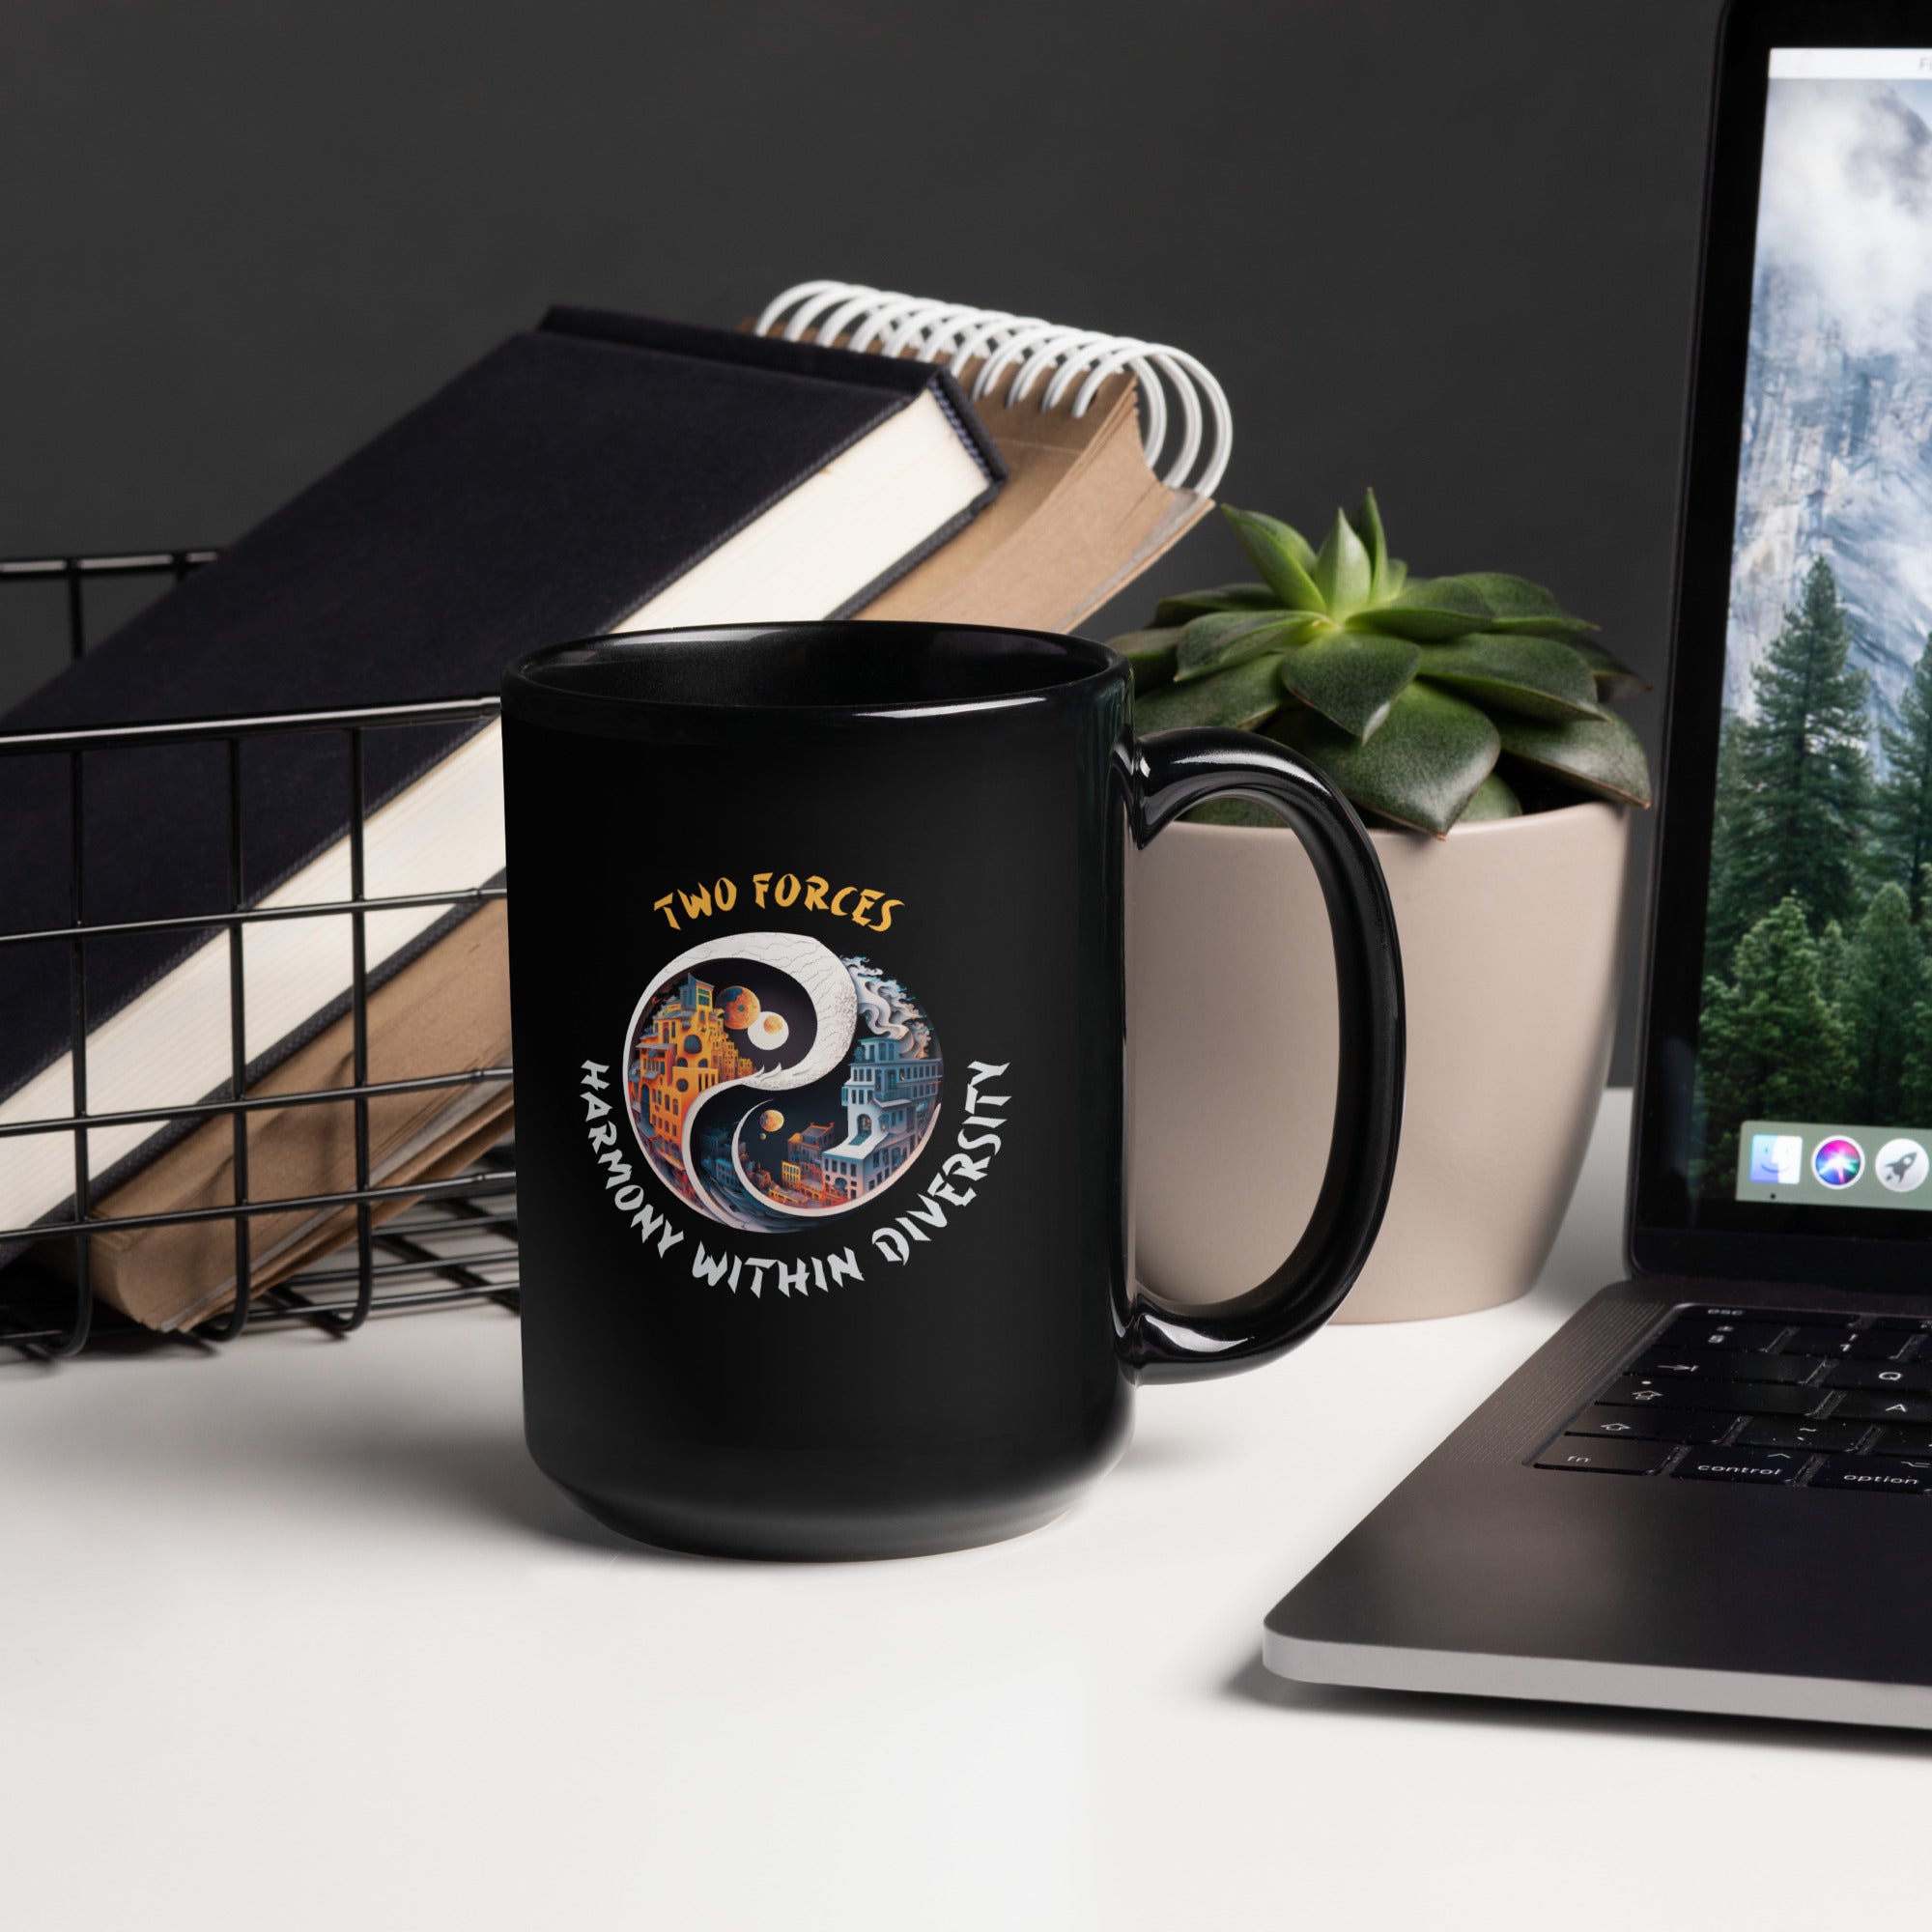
x=1081 y=516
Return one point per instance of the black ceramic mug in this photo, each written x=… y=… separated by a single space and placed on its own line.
x=817 y=987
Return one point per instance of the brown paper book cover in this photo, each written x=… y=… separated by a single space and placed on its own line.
x=447 y=1011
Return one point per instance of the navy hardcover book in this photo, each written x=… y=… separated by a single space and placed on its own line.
x=596 y=473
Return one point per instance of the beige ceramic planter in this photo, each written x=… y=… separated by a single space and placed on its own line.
x=1508 y=938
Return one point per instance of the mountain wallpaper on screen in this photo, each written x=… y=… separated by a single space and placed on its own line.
x=1818 y=990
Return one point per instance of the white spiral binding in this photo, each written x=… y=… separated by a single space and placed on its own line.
x=1021 y=349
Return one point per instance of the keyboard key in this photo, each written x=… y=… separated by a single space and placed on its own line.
x=1699 y=1330
x=1880 y=1344
x=1743 y=1397
x=1616 y=1459
x=1907 y=1325
x=1727 y=1365
x=1905 y=1377
x=1899 y=1442
x=1783 y=1434
x=1883 y=1473
x=1875 y=1406
x=1868 y=1345
x=1652 y=1425
x=1742 y=1466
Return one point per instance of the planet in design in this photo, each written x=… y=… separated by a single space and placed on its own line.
x=770 y=1030
x=771 y=1119
x=740 y=1005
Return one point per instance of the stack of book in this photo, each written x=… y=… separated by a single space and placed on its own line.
x=853 y=453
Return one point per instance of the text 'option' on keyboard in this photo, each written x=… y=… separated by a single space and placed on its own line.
x=1886 y=1474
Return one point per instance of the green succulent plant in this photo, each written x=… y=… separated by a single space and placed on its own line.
x=1431 y=702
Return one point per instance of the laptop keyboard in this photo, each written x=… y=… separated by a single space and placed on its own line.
x=1738 y=1395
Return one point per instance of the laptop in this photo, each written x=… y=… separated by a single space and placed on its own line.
x=1712 y=1489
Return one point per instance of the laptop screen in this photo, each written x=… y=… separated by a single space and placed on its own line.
x=1813 y=1070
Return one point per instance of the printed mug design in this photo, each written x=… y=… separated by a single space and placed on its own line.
x=772 y=1084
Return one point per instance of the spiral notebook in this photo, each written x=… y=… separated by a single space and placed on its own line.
x=1113 y=448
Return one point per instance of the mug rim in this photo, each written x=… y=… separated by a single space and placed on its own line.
x=538 y=684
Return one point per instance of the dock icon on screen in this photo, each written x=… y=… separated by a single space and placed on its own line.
x=1777 y=1158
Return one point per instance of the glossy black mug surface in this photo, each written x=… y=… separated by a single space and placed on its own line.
x=817 y=988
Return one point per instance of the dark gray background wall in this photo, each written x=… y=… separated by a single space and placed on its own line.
x=1442 y=247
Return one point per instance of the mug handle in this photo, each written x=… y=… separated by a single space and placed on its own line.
x=1168 y=774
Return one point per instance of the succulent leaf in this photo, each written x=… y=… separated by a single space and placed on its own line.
x=1149 y=654
x=1281 y=554
x=1437 y=608
x=1238 y=698
x=1342 y=572
x=1222 y=597
x=1491 y=799
x=1368 y=523
x=1394 y=578
x=1614 y=678
x=1426 y=615
x=1542 y=677
x=1517 y=604
x=1352 y=677
x=1225 y=637
x=1420 y=769
x=1287 y=535
x=1598 y=754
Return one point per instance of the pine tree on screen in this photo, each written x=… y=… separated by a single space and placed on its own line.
x=1796 y=785
x=1834 y=957
x=1901 y=812
x=1726 y=918
x=1772 y=1046
x=1885 y=985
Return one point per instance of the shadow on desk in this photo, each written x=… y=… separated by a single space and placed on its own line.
x=488 y=1477
x=1254 y=1684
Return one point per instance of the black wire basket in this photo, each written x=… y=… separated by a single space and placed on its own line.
x=455 y=1245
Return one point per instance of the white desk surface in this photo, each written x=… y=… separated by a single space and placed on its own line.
x=294 y=1637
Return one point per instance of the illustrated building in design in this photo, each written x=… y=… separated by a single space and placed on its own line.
x=803 y=1170
x=684 y=1052
x=890 y=1093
